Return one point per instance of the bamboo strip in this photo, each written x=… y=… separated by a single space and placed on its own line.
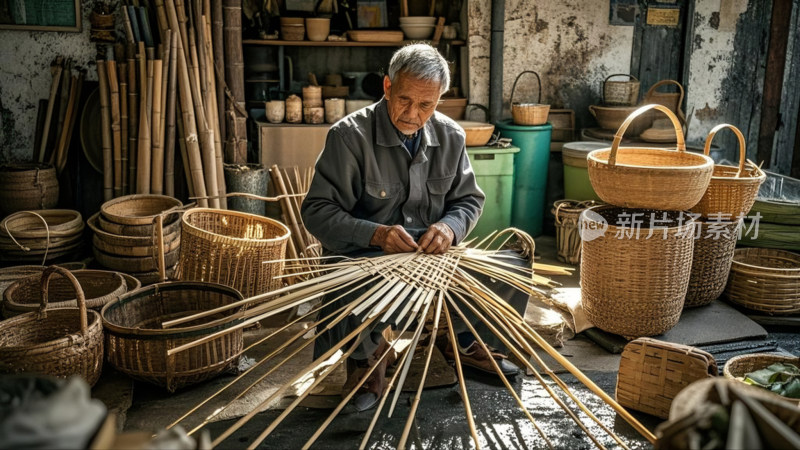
x=105 y=116
x=126 y=24
x=75 y=99
x=195 y=164
x=157 y=158
x=169 y=148
x=134 y=83
x=64 y=93
x=60 y=154
x=113 y=86
x=216 y=61
x=461 y=383
x=145 y=105
x=123 y=108
x=213 y=114
x=55 y=70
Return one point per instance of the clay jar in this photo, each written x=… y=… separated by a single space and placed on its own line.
x=314 y=115
x=318 y=29
x=312 y=97
x=275 y=110
x=294 y=109
x=334 y=109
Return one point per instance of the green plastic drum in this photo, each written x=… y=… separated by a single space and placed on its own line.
x=576 y=175
x=530 y=173
x=494 y=171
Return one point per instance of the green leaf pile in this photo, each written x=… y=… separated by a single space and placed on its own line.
x=782 y=379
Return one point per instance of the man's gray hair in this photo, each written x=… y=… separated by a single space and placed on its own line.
x=423 y=62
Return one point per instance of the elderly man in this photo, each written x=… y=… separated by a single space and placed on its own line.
x=395 y=177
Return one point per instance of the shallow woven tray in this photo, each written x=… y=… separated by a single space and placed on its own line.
x=139 y=209
x=739 y=366
x=766 y=280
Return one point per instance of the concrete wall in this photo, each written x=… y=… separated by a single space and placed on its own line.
x=25 y=78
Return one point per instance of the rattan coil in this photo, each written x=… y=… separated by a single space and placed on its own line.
x=529 y=113
x=732 y=191
x=765 y=280
x=138 y=209
x=241 y=250
x=739 y=366
x=98 y=286
x=621 y=93
x=711 y=261
x=631 y=284
x=27 y=186
x=137 y=345
x=649 y=178
x=59 y=342
x=652 y=373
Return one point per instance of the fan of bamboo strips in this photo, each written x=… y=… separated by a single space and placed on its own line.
x=407 y=287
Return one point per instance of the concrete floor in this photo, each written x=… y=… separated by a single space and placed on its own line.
x=440 y=421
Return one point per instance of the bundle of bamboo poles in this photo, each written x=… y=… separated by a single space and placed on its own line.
x=54 y=130
x=407 y=288
x=169 y=80
x=290 y=186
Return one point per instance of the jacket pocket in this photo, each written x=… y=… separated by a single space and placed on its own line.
x=381 y=200
x=437 y=191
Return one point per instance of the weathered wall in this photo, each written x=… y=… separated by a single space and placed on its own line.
x=25 y=58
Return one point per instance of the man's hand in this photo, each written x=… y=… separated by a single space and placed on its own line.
x=393 y=239
x=437 y=239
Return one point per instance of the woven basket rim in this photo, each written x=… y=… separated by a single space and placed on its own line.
x=132 y=219
x=257 y=218
x=707 y=161
x=172 y=231
x=93 y=319
x=88 y=274
x=690 y=221
x=760 y=177
x=745 y=252
x=169 y=333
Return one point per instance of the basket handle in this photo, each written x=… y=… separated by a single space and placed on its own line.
x=662 y=83
x=681 y=147
x=480 y=107
x=739 y=137
x=45 y=285
x=632 y=78
x=538 y=83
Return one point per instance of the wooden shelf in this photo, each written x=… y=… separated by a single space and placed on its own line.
x=277 y=42
x=261 y=80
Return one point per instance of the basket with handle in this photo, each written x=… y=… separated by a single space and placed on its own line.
x=529 y=113
x=649 y=178
x=765 y=280
x=59 y=342
x=711 y=261
x=621 y=93
x=732 y=191
x=672 y=100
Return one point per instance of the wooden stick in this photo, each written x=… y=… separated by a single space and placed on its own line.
x=69 y=121
x=55 y=71
x=169 y=149
x=157 y=157
x=126 y=23
x=113 y=85
x=133 y=117
x=66 y=85
x=123 y=108
x=461 y=383
x=145 y=105
x=105 y=116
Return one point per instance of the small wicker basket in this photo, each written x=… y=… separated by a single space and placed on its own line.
x=766 y=280
x=672 y=100
x=711 y=261
x=731 y=192
x=567 y=215
x=59 y=342
x=739 y=366
x=649 y=178
x=621 y=93
x=27 y=186
x=529 y=113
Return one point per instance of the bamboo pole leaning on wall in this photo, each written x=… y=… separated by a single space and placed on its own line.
x=212 y=110
x=219 y=57
x=113 y=88
x=193 y=159
x=157 y=155
x=133 y=116
x=145 y=102
x=105 y=123
x=236 y=142
x=169 y=150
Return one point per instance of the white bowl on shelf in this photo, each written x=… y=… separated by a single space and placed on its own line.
x=417 y=31
x=418 y=20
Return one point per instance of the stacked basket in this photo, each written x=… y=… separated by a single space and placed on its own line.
x=40 y=236
x=634 y=277
x=126 y=235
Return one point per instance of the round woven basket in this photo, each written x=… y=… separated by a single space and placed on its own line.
x=634 y=278
x=136 y=246
x=240 y=250
x=649 y=178
x=711 y=261
x=171 y=222
x=137 y=344
x=611 y=118
x=621 y=93
x=732 y=191
x=567 y=215
x=139 y=209
x=59 y=342
x=27 y=186
x=739 y=366
x=529 y=113
x=31 y=236
x=134 y=264
x=765 y=280
x=98 y=286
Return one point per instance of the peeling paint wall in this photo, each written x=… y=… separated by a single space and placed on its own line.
x=25 y=78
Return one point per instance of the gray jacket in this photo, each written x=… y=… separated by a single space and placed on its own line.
x=365 y=177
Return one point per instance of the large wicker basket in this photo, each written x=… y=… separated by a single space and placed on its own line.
x=765 y=280
x=739 y=366
x=27 y=186
x=137 y=345
x=240 y=250
x=621 y=93
x=529 y=113
x=711 y=261
x=649 y=178
x=59 y=342
x=732 y=191
x=634 y=279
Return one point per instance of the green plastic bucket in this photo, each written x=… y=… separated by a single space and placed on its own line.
x=576 y=175
x=530 y=173
x=494 y=172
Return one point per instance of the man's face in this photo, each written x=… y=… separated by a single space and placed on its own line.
x=411 y=101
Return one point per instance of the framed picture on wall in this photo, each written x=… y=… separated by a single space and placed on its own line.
x=40 y=15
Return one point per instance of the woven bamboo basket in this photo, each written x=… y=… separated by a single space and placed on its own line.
x=739 y=366
x=732 y=191
x=567 y=215
x=41 y=235
x=27 y=186
x=134 y=264
x=171 y=223
x=621 y=93
x=652 y=373
x=59 y=342
x=711 y=261
x=649 y=178
x=240 y=250
x=138 y=209
x=765 y=280
x=137 y=345
x=529 y=113
x=672 y=100
x=10 y=275
x=99 y=287
x=634 y=280
x=136 y=246
x=612 y=117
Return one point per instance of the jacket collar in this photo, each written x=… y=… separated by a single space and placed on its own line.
x=386 y=134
